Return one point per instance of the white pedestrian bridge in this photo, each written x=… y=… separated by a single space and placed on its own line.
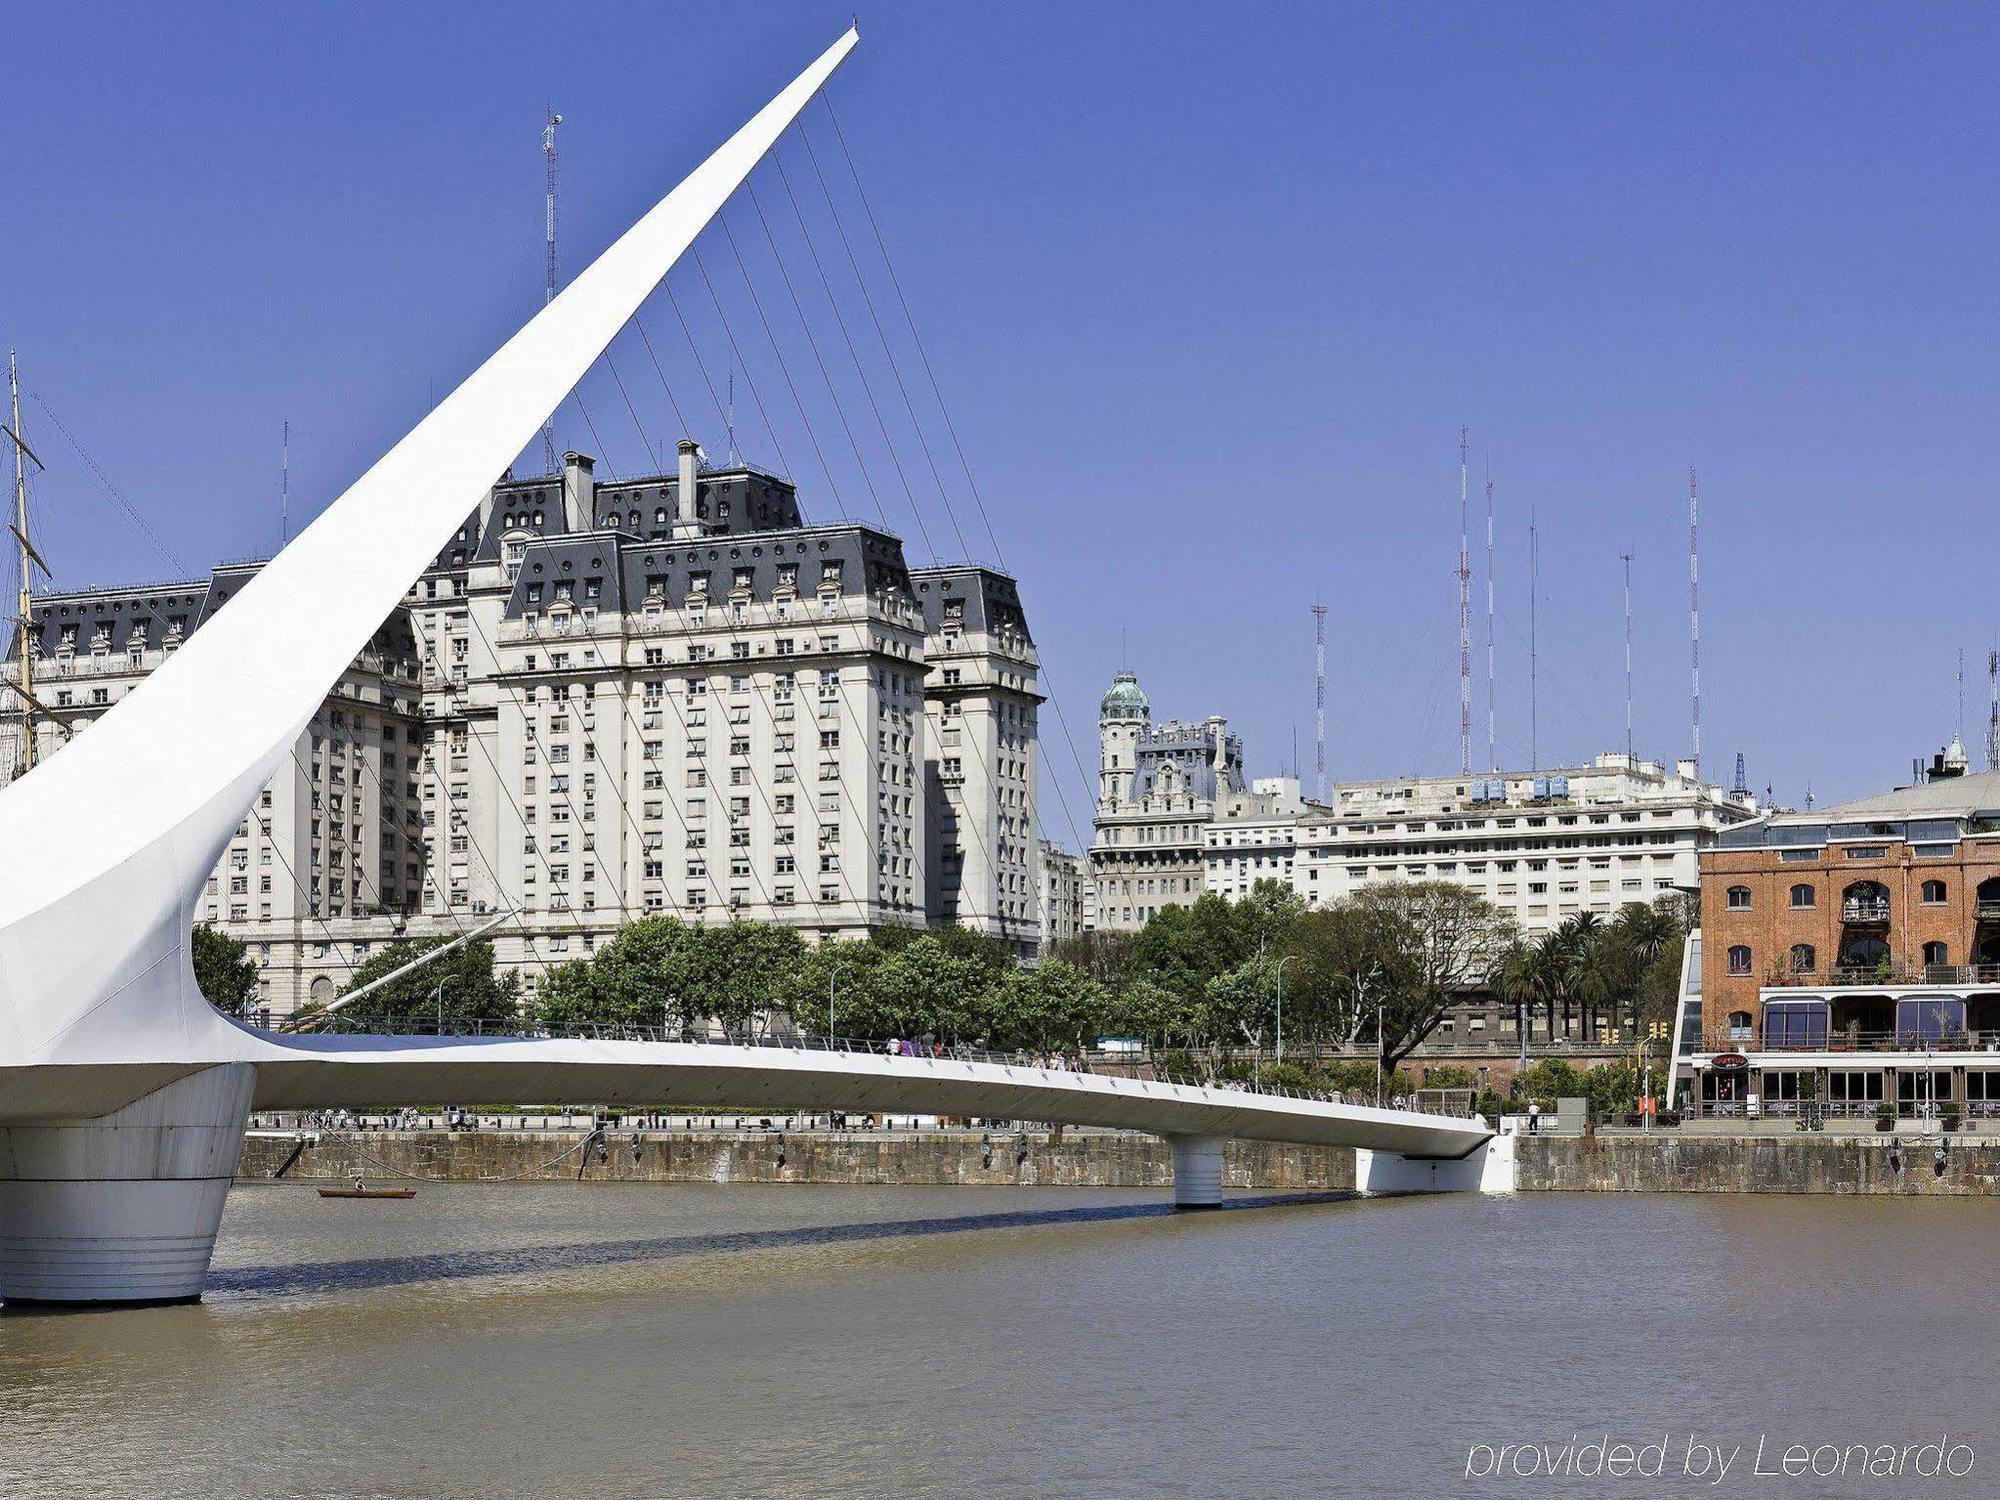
x=124 y=1095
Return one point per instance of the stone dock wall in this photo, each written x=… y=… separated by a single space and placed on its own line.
x=1667 y=1163
x=855 y=1158
x=1663 y=1163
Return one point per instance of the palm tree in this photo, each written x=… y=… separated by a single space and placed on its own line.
x=1516 y=982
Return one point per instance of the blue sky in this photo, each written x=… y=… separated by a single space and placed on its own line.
x=1210 y=292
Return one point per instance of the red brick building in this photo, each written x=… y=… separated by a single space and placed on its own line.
x=1851 y=955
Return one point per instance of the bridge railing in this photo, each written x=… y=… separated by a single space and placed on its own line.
x=1144 y=1068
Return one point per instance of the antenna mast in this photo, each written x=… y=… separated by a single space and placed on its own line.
x=1319 y=697
x=549 y=151
x=1694 y=617
x=1993 y=713
x=285 y=488
x=1492 y=742
x=1464 y=624
x=1961 y=695
x=1534 y=655
x=1627 y=557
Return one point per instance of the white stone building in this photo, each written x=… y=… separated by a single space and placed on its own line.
x=1541 y=846
x=664 y=694
x=1158 y=788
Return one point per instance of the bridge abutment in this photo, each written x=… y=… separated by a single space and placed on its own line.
x=1488 y=1168
x=123 y=1208
x=1197 y=1170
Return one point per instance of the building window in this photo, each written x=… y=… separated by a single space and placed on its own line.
x=1739 y=898
x=1804 y=959
x=1936 y=953
x=1803 y=896
x=1934 y=895
x=1740 y=1024
x=1739 y=959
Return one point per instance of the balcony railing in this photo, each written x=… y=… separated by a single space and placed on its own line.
x=1865 y=909
x=1989 y=908
x=1884 y=976
x=1854 y=1039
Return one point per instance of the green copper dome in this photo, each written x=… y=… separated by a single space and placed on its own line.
x=1125 y=700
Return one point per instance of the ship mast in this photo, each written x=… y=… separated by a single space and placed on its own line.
x=24 y=685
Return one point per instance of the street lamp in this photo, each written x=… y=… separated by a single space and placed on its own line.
x=1281 y=1006
x=440 y=1003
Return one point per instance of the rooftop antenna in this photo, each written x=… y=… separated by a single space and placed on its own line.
x=1626 y=557
x=1993 y=713
x=729 y=415
x=549 y=290
x=1534 y=655
x=285 y=487
x=1319 y=698
x=1464 y=624
x=1742 y=787
x=1809 y=796
x=1492 y=742
x=1961 y=695
x=1694 y=618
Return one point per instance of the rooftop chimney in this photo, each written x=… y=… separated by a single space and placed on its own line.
x=686 y=522
x=579 y=492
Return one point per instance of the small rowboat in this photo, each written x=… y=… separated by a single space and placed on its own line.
x=361 y=1192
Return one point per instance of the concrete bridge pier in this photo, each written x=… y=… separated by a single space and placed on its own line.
x=1197 y=1170
x=123 y=1208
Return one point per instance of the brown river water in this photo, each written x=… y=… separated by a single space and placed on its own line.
x=601 y=1342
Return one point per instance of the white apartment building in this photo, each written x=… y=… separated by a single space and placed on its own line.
x=663 y=694
x=331 y=858
x=1541 y=846
x=1254 y=836
x=1065 y=882
x=980 y=765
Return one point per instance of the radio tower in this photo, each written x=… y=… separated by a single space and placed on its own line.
x=1694 y=617
x=1534 y=656
x=1319 y=698
x=1464 y=623
x=1492 y=742
x=549 y=151
x=1993 y=713
x=1627 y=558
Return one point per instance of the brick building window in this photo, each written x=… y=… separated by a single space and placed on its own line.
x=1803 y=896
x=1936 y=953
x=1804 y=959
x=1739 y=959
x=1739 y=898
x=1934 y=895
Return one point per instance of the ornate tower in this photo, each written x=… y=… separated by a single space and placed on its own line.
x=1122 y=714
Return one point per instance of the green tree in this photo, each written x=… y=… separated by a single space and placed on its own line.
x=1452 y=939
x=1052 y=1004
x=1183 y=947
x=1345 y=955
x=1104 y=955
x=461 y=984
x=224 y=971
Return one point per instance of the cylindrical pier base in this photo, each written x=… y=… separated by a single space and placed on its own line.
x=1197 y=1170
x=124 y=1208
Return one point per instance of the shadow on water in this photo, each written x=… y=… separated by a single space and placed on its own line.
x=411 y=1270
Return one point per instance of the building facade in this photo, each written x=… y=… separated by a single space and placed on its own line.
x=657 y=695
x=1540 y=846
x=1065 y=881
x=1158 y=788
x=1851 y=955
